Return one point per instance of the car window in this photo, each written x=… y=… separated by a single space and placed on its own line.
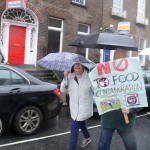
x=17 y=79
x=9 y=77
x=4 y=76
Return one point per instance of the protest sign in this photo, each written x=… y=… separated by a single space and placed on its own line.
x=118 y=83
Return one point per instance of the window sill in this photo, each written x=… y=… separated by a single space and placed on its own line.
x=80 y=5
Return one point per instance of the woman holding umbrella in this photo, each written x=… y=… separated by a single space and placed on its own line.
x=81 y=102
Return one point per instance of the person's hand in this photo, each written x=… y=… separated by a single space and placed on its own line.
x=65 y=74
x=125 y=110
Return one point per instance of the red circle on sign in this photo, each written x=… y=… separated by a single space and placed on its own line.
x=103 y=82
x=118 y=66
x=132 y=100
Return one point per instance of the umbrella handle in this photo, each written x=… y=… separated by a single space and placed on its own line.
x=66 y=82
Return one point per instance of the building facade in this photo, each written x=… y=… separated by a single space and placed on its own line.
x=46 y=26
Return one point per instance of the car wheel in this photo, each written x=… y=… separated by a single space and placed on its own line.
x=28 y=120
x=1 y=127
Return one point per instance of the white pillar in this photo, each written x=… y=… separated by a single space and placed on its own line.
x=27 y=45
x=6 y=29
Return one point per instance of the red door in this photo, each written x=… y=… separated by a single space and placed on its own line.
x=16 y=49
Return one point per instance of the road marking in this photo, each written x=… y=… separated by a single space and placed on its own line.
x=142 y=115
x=55 y=135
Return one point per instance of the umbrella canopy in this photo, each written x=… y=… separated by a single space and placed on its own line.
x=146 y=51
x=105 y=41
x=64 y=61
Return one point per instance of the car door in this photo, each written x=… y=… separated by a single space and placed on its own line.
x=13 y=91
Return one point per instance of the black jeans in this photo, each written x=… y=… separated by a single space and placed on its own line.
x=128 y=138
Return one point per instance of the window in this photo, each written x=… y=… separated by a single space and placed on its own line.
x=142 y=45
x=55 y=32
x=8 y=77
x=118 y=4
x=81 y=2
x=4 y=76
x=17 y=79
x=141 y=8
x=83 y=29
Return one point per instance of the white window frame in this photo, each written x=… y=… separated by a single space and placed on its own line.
x=142 y=56
x=141 y=8
x=85 y=33
x=118 y=4
x=58 y=29
x=80 y=2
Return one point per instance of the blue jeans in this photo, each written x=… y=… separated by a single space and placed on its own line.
x=75 y=126
x=128 y=138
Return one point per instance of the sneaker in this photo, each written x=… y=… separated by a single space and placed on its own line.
x=85 y=142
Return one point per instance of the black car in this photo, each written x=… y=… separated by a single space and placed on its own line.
x=25 y=101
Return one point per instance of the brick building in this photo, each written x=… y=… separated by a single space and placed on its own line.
x=137 y=13
x=47 y=26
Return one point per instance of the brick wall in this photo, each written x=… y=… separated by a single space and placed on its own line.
x=131 y=8
x=96 y=13
x=71 y=14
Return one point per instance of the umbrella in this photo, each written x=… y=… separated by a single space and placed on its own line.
x=64 y=61
x=105 y=41
x=146 y=51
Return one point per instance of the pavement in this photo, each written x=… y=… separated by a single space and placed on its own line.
x=54 y=135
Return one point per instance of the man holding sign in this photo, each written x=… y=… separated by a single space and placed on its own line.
x=119 y=94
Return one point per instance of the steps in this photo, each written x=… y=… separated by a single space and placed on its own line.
x=42 y=74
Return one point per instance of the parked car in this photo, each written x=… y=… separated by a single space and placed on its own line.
x=25 y=101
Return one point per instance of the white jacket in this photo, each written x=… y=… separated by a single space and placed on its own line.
x=81 y=96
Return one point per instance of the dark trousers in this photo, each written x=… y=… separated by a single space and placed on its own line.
x=75 y=126
x=128 y=138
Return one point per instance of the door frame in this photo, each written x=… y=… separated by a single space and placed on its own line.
x=31 y=36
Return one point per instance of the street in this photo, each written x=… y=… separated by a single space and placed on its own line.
x=54 y=135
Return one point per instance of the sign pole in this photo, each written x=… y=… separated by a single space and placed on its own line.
x=126 y=118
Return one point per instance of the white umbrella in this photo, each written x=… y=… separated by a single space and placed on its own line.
x=145 y=51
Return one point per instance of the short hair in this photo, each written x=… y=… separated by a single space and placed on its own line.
x=120 y=53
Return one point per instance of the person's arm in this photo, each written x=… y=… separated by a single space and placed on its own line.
x=63 y=83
